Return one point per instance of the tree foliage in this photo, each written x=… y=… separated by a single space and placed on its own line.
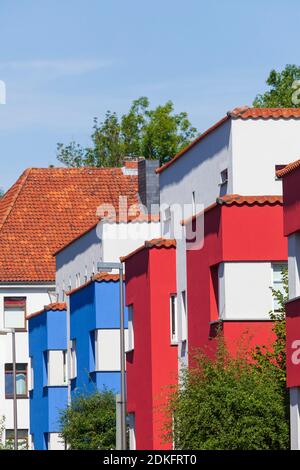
x=284 y=90
x=90 y=422
x=157 y=133
x=234 y=403
x=275 y=358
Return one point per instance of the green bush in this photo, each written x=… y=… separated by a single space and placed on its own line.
x=227 y=403
x=90 y=422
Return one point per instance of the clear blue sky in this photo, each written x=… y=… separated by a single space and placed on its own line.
x=66 y=61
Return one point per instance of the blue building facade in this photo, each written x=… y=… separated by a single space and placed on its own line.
x=95 y=354
x=48 y=394
x=95 y=335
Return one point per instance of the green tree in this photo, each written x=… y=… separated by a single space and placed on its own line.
x=275 y=358
x=89 y=423
x=282 y=88
x=225 y=403
x=157 y=133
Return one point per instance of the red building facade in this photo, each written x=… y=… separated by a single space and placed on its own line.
x=290 y=175
x=242 y=235
x=152 y=353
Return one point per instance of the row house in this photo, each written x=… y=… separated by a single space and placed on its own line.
x=152 y=342
x=290 y=176
x=44 y=210
x=48 y=379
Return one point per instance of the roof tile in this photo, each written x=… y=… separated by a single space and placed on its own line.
x=61 y=306
x=48 y=207
x=288 y=169
x=242 y=112
x=154 y=243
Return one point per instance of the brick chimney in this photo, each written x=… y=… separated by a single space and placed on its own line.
x=148 y=183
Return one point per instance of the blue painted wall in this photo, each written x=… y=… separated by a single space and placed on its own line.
x=47 y=331
x=96 y=306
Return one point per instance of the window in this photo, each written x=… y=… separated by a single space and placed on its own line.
x=173 y=319
x=55 y=441
x=73 y=359
x=22 y=436
x=107 y=349
x=31 y=377
x=193 y=203
x=57 y=371
x=167 y=218
x=132 y=440
x=278 y=282
x=183 y=317
x=21 y=381
x=15 y=312
x=224 y=177
x=130 y=345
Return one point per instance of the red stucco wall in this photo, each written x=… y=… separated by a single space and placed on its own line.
x=152 y=366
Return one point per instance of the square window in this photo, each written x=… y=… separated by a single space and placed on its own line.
x=22 y=436
x=15 y=313
x=224 y=176
x=278 y=284
x=21 y=381
x=173 y=319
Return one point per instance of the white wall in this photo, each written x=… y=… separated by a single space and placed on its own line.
x=294 y=265
x=55 y=442
x=108 y=349
x=244 y=291
x=257 y=146
x=106 y=243
x=81 y=257
x=121 y=239
x=36 y=298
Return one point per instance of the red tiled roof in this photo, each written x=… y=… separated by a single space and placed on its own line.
x=99 y=277
x=245 y=112
x=54 y=306
x=288 y=169
x=242 y=112
x=48 y=207
x=154 y=243
x=238 y=200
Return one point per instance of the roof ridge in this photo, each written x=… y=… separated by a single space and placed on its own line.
x=21 y=183
x=288 y=168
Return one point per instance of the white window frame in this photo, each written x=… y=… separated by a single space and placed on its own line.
x=183 y=316
x=62 y=363
x=277 y=267
x=132 y=432
x=173 y=321
x=31 y=374
x=73 y=357
x=130 y=342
